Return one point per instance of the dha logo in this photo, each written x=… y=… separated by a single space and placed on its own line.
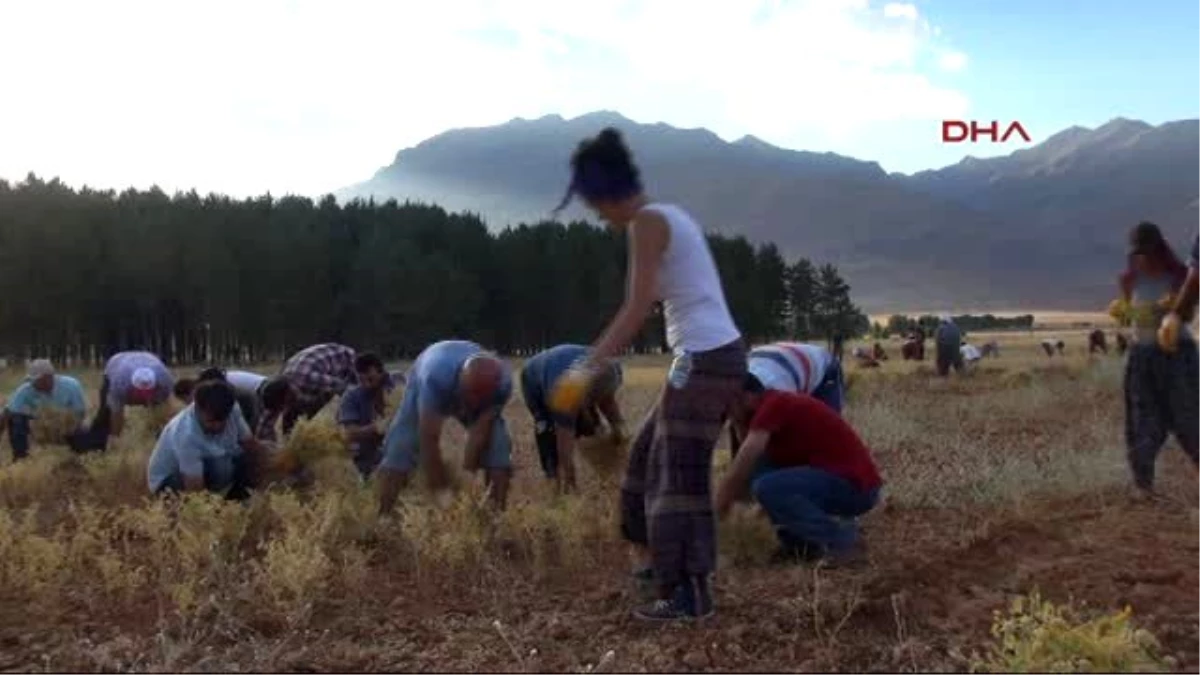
x=958 y=131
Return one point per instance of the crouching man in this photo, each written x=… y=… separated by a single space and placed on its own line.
x=808 y=470
x=450 y=379
x=42 y=389
x=361 y=407
x=555 y=433
x=207 y=446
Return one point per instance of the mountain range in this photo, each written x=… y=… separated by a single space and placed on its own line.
x=1042 y=228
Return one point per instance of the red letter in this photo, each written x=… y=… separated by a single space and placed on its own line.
x=947 y=125
x=977 y=131
x=1015 y=126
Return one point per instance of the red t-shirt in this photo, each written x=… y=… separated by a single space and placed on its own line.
x=806 y=432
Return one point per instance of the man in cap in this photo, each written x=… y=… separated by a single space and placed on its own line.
x=130 y=379
x=42 y=389
x=948 y=345
x=556 y=433
x=452 y=378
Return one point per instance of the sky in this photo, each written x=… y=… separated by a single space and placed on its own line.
x=293 y=97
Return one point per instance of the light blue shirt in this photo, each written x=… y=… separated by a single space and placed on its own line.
x=67 y=394
x=434 y=379
x=183 y=446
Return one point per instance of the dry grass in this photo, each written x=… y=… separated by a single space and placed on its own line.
x=94 y=575
x=52 y=426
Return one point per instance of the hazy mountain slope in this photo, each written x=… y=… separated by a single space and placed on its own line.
x=1043 y=226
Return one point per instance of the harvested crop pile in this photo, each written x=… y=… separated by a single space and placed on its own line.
x=312 y=440
x=53 y=425
x=606 y=457
x=153 y=419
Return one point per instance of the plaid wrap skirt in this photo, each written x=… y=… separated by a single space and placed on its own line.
x=666 y=496
x=1160 y=400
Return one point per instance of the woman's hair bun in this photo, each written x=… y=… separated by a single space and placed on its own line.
x=606 y=148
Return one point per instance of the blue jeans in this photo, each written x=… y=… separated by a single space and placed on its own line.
x=401 y=446
x=223 y=475
x=807 y=505
x=83 y=440
x=18 y=435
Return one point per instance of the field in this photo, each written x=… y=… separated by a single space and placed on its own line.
x=1004 y=482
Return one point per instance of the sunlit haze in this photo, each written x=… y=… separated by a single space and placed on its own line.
x=307 y=97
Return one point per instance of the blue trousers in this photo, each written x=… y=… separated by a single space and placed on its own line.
x=86 y=439
x=812 y=507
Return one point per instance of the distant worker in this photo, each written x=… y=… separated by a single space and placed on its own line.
x=1160 y=379
x=1122 y=343
x=864 y=357
x=42 y=389
x=808 y=470
x=991 y=348
x=1053 y=346
x=450 y=379
x=948 y=342
x=970 y=354
x=878 y=353
x=556 y=432
x=910 y=350
x=913 y=348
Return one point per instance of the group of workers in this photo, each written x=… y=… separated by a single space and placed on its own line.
x=794 y=454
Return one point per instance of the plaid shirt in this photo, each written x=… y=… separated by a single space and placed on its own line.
x=321 y=371
x=265 y=430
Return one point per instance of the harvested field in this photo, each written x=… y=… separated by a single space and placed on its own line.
x=999 y=483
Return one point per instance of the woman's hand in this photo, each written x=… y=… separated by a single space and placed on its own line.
x=1168 y=333
x=570 y=390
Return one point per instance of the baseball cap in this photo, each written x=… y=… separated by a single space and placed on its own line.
x=39 y=368
x=144 y=379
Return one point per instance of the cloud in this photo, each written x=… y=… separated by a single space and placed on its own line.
x=307 y=96
x=900 y=10
x=952 y=61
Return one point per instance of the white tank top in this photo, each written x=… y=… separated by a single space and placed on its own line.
x=689 y=286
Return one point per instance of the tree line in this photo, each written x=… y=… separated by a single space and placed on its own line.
x=899 y=324
x=86 y=273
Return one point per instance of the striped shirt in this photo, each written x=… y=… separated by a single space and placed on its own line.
x=321 y=370
x=790 y=366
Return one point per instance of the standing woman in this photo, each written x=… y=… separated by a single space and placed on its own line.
x=666 y=501
x=1160 y=383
